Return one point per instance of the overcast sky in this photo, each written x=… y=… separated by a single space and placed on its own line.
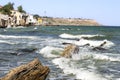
x=106 y=12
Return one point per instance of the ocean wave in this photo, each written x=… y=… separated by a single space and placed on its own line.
x=16 y=27
x=7 y=42
x=63 y=29
x=64 y=35
x=49 y=51
x=75 y=66
x=94 y=56
x=92 y=43
x=106 y=57
x=17 y=37
x=80 y=73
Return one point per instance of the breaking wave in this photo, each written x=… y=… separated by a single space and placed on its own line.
x=64 y=35
x=92 y=43
x=17 y=37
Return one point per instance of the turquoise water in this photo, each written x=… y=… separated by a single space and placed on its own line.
x=23 y=44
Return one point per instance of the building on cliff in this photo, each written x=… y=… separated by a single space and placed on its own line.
x=3 y=20
x=30 y=20
x=18 y=18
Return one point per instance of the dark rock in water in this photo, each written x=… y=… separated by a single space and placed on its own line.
x=14 y=53
x=64 y=43
x=98 y=48
x=31 y=71
x=29 y=50
x=103 y=44
x=69 y=50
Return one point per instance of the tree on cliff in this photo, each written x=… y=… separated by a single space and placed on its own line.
x=20 y=9
x=6 y=9
x=36 y=16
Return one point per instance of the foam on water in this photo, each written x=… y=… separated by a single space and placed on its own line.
x=118 y=79
x=15 y=27
x=95 y=56
x=17 y=37
x=64 y=35
x=64 y=29
x=49 y=51
x=7 y=42
x=92 y=43
x=105 y=57
x=69 y=67
x=80 y=73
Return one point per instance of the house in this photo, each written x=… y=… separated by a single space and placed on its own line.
x=31 y=20
x=39 y=21
x=1 y=6
x=18 y=18
x=3 y=20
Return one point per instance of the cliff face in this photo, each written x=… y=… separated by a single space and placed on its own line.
x=70 y=21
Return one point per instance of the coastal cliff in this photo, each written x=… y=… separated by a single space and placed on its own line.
x=70 y=21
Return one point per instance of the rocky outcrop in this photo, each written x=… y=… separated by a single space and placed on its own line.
x=69 y=50
x=3 y=20
x=31 y=71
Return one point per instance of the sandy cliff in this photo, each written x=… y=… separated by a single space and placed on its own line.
x=70 y=21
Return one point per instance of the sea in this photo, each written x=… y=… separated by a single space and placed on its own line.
x=20 y=45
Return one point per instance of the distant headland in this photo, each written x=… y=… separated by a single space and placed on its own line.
x=70 y=21
x=13 y=18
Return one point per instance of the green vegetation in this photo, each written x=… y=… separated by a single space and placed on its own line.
x=20 y=9
x=6 y=9
x=36 y=16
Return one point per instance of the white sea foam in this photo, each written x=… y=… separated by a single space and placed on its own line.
x=92 y=43
x=7 y=42
x=15 y=27
x=105 y=57
x=17 y=37
x=19 y=27
x=80 y=73
x=49 y=51
x=64 y=29
x=95 y=43
x=118 y=79
x=64 y=35
x=35 y=28
x=68 y=66
x=90 y=55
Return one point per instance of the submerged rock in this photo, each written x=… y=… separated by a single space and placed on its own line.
x=69 y=50
x=31 y=71
x=28 y=50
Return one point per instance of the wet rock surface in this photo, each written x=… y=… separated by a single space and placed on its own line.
x=69 y=50
x=34 y=70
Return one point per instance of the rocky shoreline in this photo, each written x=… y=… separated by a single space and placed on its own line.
x=34 y=70
x=46 y=21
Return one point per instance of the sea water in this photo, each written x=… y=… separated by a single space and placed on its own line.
x=22 y=44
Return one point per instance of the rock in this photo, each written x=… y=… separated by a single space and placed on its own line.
x=69 y=50
x=28 y=50
x=31 y=71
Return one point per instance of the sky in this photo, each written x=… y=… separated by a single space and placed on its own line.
x=106 y=12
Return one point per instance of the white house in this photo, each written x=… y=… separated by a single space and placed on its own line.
x=18 y=17
x=31 y=20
